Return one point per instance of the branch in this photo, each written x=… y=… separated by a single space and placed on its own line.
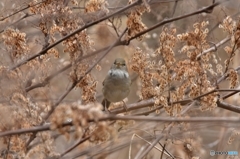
x=24 y=131
x=214 y=48
x=226 y=76
x=150 y=102
x=80 y=141
x=227 y=106
x=143 y=154
x=21 y=10
x=21 y=18
x=205 y=9
x=75 y=83
x=125 y=118
x=111 y=15
x=47 y=79
x=73 y=33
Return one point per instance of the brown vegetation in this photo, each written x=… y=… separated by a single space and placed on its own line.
x=183 y=58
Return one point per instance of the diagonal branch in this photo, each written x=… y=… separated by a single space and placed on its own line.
x=44 y=51
x=20 y=10
x=112 y=117
x=75 y=83
x=48 y=78
x=205 y=9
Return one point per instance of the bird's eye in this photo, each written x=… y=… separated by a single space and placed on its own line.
x=123 y=64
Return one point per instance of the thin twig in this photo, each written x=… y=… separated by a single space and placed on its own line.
x=175 y=19
x=74 y=84
x=73 y=33
x=28 y=6
x=48 y=78
x=42 y=84
x=214 y=48
x=112 y=117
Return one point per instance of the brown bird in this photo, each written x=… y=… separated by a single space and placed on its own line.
x=116 y=85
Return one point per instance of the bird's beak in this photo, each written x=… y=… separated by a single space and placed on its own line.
x=118 y=65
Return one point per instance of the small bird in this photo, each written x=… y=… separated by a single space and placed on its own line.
x=116 y=85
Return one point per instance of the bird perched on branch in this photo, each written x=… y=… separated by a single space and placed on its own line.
x=116 y=85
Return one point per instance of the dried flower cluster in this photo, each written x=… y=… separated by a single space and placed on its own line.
x=234 y=135
x=88 y=85
x=49 y=87
x=139 y=65
x=61 y=20
x=15 y=42
x=134 y=22
x=233 y=29
x=233 y=78
x=84 y=81
x=81 y=115
x=191 y=72
x=22 y=113
x=195 y=72
x=96 y=5
x=191 y=146
x=155 y=76
x=44 y=149
x=78 y=45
